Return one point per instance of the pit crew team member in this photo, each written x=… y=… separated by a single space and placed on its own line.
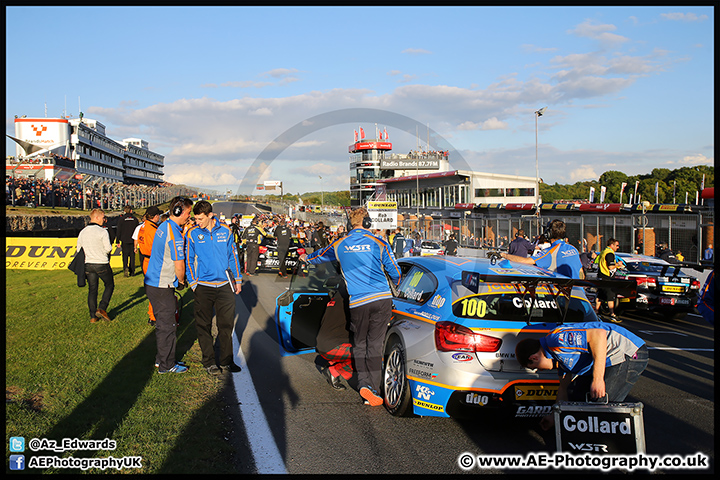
x=210 y=252
x=165 y=272
x=146 y=234
x=125 y=227
x=521 y=246
x=283 y=233
x=594 y=358
x=252 y=235
x=560 y=257
x=451 y=245
x=364 y=259
x=95 y=242
x=607 y=268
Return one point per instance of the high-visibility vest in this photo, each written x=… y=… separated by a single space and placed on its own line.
x=146 y=234
x=604 y=269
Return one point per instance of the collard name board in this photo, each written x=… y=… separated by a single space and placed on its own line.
x=383 y=215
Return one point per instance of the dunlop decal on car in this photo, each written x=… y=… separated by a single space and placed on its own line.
x=535 y=392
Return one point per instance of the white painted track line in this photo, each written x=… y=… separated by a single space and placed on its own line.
x=264 y=449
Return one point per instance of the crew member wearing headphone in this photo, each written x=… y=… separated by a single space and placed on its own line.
x=165 y=272
x=364 y=259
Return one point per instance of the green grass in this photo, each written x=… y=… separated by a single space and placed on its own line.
x=68 y=378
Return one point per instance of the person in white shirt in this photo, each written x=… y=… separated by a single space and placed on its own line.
x=95 y=242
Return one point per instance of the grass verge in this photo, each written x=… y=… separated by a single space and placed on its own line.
x=67 y=378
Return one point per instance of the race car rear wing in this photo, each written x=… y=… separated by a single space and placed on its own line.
x=527 y=285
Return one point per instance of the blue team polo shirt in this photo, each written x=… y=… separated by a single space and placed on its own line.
x=562 y=258
x=168 y=246
x=568 y=345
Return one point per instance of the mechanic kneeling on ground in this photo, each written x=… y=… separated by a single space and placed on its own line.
x=593 y=357
x=363 y=257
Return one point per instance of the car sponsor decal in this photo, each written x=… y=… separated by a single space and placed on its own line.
x=476 y=399
x=535 y=392
x=422 y=363
x=422 y=375
x=438 y=301
x=519 y=271
x=462 y=357
x=423 y=392
x=429 y=406
x=533 y=411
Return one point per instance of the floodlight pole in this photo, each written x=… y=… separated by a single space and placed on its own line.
x=538 y=113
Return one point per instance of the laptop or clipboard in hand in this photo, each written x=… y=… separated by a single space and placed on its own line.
x=231 y=279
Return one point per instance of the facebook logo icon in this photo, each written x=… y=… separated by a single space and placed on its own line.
x=17 y=462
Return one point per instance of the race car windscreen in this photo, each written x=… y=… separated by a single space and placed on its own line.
x=646 y=267
x=508 y=302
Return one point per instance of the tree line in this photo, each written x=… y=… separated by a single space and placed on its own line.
x=679 y=181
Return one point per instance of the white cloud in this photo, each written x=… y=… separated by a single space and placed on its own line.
x=202 y=175
x=279 y=72
x=601 y=33
x=584 y=173
x=489 y=124
x=684 y=17
x=697 y=159
x=529 y=48
x=416 y=51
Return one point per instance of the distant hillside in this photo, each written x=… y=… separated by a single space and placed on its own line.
x=685 y=179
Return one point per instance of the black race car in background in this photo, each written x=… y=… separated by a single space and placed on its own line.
x=662 y=287
x=268 y=258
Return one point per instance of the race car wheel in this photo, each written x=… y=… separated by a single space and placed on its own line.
x=398 y=400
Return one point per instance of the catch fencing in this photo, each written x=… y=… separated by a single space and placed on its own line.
x=688 y=233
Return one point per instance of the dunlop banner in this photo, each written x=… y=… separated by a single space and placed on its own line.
x=38 y=253
x=383 y=214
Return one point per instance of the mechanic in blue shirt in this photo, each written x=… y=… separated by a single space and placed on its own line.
x=364 y=259
x=592 y=357
x=212 y=261
x=560 y=257
x=165 y=272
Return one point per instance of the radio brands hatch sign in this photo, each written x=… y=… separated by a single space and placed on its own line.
x=38 y=253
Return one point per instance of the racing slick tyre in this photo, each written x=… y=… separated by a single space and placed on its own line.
x=398 y=400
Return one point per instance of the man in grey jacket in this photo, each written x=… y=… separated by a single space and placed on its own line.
x=95 y=242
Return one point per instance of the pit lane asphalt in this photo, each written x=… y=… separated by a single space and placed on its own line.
x=319 y=430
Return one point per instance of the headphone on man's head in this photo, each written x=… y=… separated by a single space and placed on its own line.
x=177 y=209
x=367 y=222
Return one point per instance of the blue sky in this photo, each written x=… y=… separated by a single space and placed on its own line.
x=627 y=88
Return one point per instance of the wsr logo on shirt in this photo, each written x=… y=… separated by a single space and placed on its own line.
x=357 y=248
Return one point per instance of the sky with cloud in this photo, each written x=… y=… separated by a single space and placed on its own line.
x=213 y=88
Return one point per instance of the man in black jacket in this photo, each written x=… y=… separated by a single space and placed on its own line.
x=283 y=235
x=125 y=227
x=253 y=235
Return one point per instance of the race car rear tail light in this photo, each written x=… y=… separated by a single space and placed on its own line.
x=300 y=251
x=262 y=249
x=648 y=282
x=451 y=337
x=695 y=285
